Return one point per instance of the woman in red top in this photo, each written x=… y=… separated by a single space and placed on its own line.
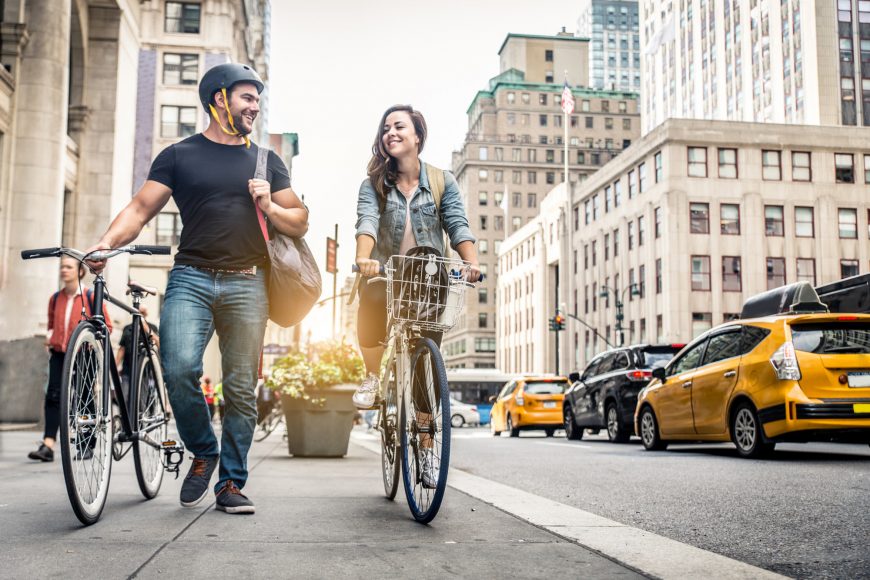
x=64 y=313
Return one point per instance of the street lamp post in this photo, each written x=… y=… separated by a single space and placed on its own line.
x=617 y=297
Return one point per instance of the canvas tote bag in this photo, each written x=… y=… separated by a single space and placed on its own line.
x=294 y=278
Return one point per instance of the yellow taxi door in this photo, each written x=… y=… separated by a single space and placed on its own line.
x=714 y=381
x=673 y=401
x=497 y=414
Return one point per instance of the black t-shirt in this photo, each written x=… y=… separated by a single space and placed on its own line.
x=209 y=183
x=127 y=343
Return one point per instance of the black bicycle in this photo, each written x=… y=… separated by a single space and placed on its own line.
x=91 y=435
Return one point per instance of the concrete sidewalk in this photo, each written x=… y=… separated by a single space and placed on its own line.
x=316 y=518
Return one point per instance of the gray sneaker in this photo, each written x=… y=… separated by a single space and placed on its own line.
x=195 y=486
x=429 y=469
x=367 y=394
x=231 y=500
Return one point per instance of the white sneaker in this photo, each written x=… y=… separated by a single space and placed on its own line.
x=367 y=393
x=430 y=470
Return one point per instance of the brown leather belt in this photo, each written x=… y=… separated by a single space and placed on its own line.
x=252 y=271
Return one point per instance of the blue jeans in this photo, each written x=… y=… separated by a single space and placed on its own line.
x=198 y=303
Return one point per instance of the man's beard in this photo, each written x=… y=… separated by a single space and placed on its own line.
x=238 y=123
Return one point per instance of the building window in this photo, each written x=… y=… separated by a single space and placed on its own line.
x=697 y=162
x=532 y=177
x=168 y=229
x=773 y=225
x=775 y=273
x=594 y=253
x=701 y=273
x=516 y=177
x=641 y=280
x=626 y=124
x=699 y=214
x=542 y=120
x=806 y=270
x=632 y=184
x=584 y=105
x=771 y=165
x=498 y=225
x=728 y=163
x=701 y=323
x=525 y=98
x=532 y=200
x=631 y=235
x=848 y=221
x=867 y=157
x=641 y=172
x=481 y=320
x=731 y=281
x=804 y=226
x=483 y=222
x=516 y=223
x=517 y=199
x=484 y=344
x=641 y=230
x=511 y=97
x=483 y=198
x=659 y=276
x=483 y=246
x=498 y=176
x=182 y=17
x=616 y=242
x=848 y=268
x=658 y=222
x=483 y=153
x=482 y=175
x=801 y=168
x=659 y=170
x=729 y=219
x=845 y=170
x=548 y=55
x=551 y=177
x=608 y=123
x=660 y=328
x=617 y=193
x=180 y=69
x=177 y=121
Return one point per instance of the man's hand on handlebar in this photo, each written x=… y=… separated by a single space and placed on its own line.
x=97 y=265
x=368 y=267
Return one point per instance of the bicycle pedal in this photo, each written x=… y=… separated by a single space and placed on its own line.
x=173 y=456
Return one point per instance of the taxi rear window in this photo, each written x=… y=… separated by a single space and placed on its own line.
x=832 y=338
x=545 y=387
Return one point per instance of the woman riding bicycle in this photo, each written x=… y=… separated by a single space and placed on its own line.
x=397 y=211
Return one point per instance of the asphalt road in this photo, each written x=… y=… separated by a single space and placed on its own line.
x=802 y=513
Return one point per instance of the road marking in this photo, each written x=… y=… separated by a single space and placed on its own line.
x=644 y=551
x=570 y=445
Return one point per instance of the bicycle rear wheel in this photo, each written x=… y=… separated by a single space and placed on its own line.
x=425 y=432
x=269 y=423
x=151 y=420
x=86 y=425
x=389 y=426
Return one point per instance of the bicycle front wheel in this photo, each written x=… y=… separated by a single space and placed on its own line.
x=86 y=425
x=389 y=427
x=425 y=432
x=151 y=420
x=268 y=424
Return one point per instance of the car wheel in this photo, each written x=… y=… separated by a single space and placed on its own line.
x=457 y=421
x=649 y=431
x=615 y=431
x=510 y=427
x=572 y=431
x=492 y=427
x=746 y=432
x=549 y=432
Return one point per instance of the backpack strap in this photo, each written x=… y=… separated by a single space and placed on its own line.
x=260 y=173
x=436 y=183
x=52 y=304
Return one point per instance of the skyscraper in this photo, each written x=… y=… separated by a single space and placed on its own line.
x=614 y=48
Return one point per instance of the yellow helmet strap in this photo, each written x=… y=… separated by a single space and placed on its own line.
x=232 y=131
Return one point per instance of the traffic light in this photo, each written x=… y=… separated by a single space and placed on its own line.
x=557 y=323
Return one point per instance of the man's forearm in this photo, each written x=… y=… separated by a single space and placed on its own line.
x=291 y=222
x=125 y=227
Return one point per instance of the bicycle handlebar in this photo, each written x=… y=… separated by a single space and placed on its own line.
x=96 y=255
x=40 y=253
x=381 y=271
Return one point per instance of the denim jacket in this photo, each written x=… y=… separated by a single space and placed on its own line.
x=388 y=228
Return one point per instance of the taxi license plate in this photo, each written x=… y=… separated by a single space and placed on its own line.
x=861 y=408
x=549 y=404
x=859 y=379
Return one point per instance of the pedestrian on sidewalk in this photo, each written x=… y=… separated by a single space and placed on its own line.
x=65 y=310
x=218 y=282
x=208 y=393
x=124 y=354
x=399 y=210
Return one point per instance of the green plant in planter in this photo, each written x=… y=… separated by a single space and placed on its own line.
x=334 y=364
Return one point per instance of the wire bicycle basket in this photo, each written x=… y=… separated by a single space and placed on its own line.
x=426 y=290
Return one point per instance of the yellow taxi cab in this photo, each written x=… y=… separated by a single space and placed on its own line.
x=798 y=374
x=529 y=402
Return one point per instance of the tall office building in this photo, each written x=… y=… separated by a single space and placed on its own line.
x=514 y=154
x=771 y=61
x=614 y=43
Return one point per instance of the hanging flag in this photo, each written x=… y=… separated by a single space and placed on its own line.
x=503 y=206
x=567 y=99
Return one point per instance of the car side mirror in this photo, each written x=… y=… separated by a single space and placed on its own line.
x=574 y=377
x=491 y=399
x=660 y=374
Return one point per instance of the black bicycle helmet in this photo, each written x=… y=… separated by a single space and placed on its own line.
x=224 y=76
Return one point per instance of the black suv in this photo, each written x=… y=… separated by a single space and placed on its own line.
x=605 y=395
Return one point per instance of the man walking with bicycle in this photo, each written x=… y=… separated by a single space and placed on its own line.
x=218 y=283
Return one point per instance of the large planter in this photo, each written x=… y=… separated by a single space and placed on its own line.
x=320 y=430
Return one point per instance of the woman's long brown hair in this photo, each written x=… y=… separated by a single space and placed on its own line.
x=382 y=169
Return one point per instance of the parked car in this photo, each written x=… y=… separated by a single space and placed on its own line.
x=799 y=375
x=529 y=402
x=462 y=414
x=604 y=396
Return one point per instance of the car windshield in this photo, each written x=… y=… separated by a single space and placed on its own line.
x=832 y=338
x=545 y=387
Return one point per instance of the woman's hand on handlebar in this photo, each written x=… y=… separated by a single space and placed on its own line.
x=368 y=267
x=473 y=274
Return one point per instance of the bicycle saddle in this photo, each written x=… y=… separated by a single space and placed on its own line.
x=140 y=288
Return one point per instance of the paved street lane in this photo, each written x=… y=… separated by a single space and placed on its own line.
x=801 y=513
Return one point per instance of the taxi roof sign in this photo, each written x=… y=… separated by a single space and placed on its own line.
x=797 y=298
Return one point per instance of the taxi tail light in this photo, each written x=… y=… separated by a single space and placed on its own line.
x=785 y=363
x=639 y=375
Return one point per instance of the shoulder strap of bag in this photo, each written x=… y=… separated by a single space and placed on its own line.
x=260 y=173
x=52 y=304
x=436 y=183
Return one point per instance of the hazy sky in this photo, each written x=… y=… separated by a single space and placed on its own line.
x=337 y=65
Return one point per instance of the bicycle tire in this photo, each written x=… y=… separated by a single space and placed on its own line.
x=82 y=399
x=269 y=423
x=389 y=420
x=150 y=410
x=423 y=501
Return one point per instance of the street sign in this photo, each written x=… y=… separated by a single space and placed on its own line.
x=275 y=349
x=331 y=251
